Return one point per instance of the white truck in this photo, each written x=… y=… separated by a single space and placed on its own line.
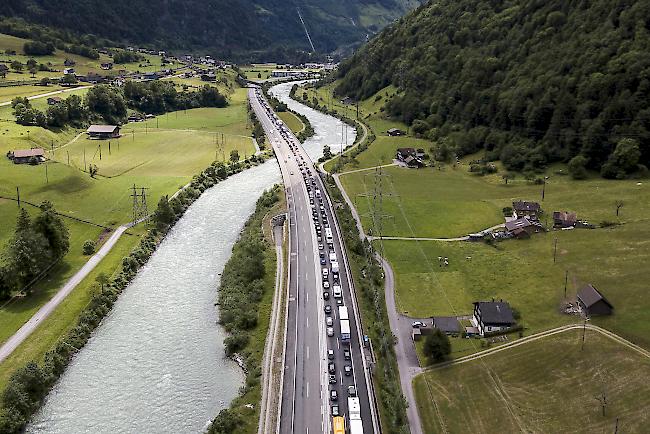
x=354 y=413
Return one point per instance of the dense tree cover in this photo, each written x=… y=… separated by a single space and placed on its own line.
x=123 y=56
x=229 y=27
x=82 y=50
x=530 y=82
x=37 y=48
x=109 y=104
x=36 y=245
x=29 y=385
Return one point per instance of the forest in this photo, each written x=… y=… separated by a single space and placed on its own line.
x=529 y=82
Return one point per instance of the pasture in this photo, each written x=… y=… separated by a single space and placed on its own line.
x=546 y=386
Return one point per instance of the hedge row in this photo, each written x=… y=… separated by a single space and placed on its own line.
x=29 y=385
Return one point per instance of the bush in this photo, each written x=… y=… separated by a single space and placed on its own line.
x=89 y=247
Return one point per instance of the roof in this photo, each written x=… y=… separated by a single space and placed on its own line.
x=495 y=312
x=522 y=205
x=24 y=153
x=394 y=130
x=407 y=151
x=446 y=323
x=518 y=224
x=3 y=67
x=565 y=216
x=55 y=98
x=590 y=296
x=101 y=128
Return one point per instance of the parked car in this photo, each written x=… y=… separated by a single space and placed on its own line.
x=417 y=324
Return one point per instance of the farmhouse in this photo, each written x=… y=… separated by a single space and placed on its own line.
x=492 y=316
x=522 y=208
x=69 y=62
x=27 y=156
x=53 y=100
x=3 y=68
x=523 y=227
x=103 y=132
x=67 y=71
x=593 y=302
x=107 y=66
x=410 y=157
x=150 y=76
x=449 y=325
x=564 y=219
x=210 y=76
x=395 y=132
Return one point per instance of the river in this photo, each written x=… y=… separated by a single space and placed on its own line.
x=156 y=363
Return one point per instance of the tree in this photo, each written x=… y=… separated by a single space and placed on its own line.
x=619 y=204
x=45 y=81
x=16 y=66
x=437 y=346
x=623 y=161
x=33 y=71
x=164 y=215
x=28 y=252
x=103 y=279
x=259 y=75
x=32 y=64
x=226 y=422
x=68 y=79
x=88 y=247
x=327 y=152
x=234 y=156
x=577 y=167
x=107 y=102
x=51 y=226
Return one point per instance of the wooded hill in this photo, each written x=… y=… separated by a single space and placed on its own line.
x=529 y=81
x=229 y=27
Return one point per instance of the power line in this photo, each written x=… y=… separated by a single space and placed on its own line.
x=140 y=211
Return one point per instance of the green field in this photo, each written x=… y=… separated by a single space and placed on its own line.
x=547 y=386
x=292 y=121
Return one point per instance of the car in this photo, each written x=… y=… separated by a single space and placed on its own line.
x=291 y=173
x=352 y=391
x=325 y=273
x=322 y=261
x=326 y=284
x=332 y=378
x=334 y=395
x=336 y=291
x=330 y=331
x=346 y=354
x=330 y=354
x=335 y=411
x=320 y=239
x=329 y=321
x=326 y=295
x=320 y=246
x=339 y=302
x=331 y=368
x=321 y=254
x=328 y=308
x=417 y=324
x=347 y=370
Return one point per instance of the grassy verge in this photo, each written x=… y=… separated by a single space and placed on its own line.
x=245 y=303
x=550 y=385
x=292 y=121
x=368 y=281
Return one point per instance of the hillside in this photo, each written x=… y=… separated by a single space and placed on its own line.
x=230 y=27
x=530 y=82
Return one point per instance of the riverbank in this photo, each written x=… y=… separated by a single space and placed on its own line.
x=245 y=301
x=280 y=107
x=29 y=385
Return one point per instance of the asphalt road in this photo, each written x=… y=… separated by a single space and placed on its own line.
x=306 y=403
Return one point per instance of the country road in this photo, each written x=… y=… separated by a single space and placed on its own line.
x=44 y=312
x=43 y=95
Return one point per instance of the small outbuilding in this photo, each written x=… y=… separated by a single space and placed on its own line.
x=593 y=302
x=27 y=156
x=564 y=219
x=522 y=227
x=53 y=100
x=395 y=132
x=103 y=132
x=449 y=325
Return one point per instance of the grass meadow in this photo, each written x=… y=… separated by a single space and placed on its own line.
x=546 y=386
x=292 y=121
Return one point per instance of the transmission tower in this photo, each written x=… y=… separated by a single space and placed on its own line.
x=376 y=212
x=140 y=211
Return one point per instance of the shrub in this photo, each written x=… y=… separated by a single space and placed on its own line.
x=89 y=247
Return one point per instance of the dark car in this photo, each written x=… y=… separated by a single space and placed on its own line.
x=331 y=368
x=326 y=295
x=322 y=261
x=346 y=354
x=332 y=379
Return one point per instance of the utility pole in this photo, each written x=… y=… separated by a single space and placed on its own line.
x=84 y=158
x=68 y=157
x=566 y=279
x=544 y=187
x=555 y=250
x=18 y=195
x=47 y=179
x=584 y=332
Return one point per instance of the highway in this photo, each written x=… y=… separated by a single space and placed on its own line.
x=311 y=348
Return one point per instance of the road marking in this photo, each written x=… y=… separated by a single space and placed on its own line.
x=307 y=318
x=308 y=389
x=338 y=344
x=307 y=352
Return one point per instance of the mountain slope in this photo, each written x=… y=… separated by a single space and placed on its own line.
x=223 y=25
x=531 y=82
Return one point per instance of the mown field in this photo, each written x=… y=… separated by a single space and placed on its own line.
x=546 y=386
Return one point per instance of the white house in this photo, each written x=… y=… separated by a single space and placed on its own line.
x=492 y=316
